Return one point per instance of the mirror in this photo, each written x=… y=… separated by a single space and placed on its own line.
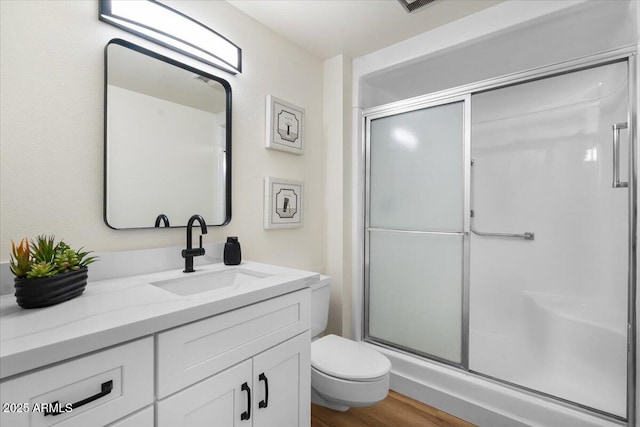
x=167 y=141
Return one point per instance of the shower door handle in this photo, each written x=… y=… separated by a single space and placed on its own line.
x=526 y=236
x=616 y=156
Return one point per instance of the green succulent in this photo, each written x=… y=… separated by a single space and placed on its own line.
x=44 y=248
x=83 y=259
x=70 y=260
x=44 y=258
x=66 y=260
x=42 y=269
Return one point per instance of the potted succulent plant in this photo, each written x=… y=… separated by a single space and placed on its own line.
x=47 y=272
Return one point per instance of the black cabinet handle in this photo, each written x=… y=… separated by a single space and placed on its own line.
x=106 y=389
x=246 y=414
x=264 y=403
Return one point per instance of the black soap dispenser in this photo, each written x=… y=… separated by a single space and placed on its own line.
x=232 y=253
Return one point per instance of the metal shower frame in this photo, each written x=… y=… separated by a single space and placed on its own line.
x=463 y=94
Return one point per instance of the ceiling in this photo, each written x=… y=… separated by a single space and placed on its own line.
x=328 y=28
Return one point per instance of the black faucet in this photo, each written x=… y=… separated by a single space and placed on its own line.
x=191 y=252
x=162 y=218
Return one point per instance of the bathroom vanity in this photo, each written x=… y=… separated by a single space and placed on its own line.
x=224 y=345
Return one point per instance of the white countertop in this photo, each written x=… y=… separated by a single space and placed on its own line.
x=114 y=311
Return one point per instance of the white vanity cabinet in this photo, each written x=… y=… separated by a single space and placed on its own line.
x=142 y=418
x=271 y=389
x=247 y=367
x=93 y=390
x=236 y=356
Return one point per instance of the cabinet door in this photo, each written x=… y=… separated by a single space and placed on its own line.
x=282 y=384
x=220 y=400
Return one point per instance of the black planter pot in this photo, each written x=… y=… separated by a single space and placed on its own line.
x=46 y=291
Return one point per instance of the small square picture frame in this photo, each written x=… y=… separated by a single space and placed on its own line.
x=285 y=126
x=283 y=203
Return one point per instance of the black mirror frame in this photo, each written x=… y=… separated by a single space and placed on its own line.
x=228 y=126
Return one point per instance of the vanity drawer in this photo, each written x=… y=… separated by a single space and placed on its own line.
x=102 y=387
x=193 y=352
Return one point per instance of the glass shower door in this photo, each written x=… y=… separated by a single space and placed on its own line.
x=415 y=229
x=549 y=312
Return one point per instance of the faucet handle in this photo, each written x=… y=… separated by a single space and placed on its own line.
x=201 y=241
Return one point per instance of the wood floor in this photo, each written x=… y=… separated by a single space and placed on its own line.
x=396 y=410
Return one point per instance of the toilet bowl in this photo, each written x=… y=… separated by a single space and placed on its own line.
x=344 y=373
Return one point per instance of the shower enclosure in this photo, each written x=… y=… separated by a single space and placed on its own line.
x=498 y=232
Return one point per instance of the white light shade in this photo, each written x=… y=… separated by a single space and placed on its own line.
x=172 y=29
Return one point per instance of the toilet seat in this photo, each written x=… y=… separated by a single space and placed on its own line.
x=348 y=360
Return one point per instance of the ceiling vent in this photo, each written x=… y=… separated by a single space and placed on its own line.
x=415 y=5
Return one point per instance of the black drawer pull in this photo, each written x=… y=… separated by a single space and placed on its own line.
x=246 y=414
x=264 y=403
x=106 y=389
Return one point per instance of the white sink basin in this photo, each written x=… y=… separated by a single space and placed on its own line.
x=195 y=283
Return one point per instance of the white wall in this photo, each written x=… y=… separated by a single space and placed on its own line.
x=51 y=130
x=337 y=101
x=510 y=37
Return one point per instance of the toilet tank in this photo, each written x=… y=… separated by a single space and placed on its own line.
x=320 y=293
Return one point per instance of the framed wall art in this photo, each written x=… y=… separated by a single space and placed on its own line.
x=283 y=201
x=285 y=126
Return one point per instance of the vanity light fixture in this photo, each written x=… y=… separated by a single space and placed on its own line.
x=175 y=30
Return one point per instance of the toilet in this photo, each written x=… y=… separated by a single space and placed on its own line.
x=344 y=373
